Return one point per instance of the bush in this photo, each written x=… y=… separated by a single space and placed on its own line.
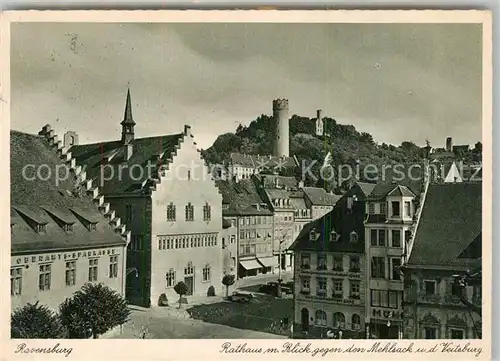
x=211 y=291
x=181 y=289
x=163 y=300
x=228 y=280
x=93 y=310
x=36 y=321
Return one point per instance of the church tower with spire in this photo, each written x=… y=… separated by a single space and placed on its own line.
x=128 y=123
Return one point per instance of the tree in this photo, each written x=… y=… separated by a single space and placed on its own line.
x=228 y=280
x=181 y=289
x=93 y=310
x=36 y=321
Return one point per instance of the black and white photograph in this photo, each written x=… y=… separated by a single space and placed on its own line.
x=288 y=181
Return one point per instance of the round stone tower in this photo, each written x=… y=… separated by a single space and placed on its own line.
x=280 y=115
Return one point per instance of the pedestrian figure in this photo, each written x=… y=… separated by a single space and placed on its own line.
x=340 y=334
x=144 y=332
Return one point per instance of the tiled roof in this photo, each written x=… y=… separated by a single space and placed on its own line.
x=340 y=221
x=401 y=191
x=242 y=198
x=411 y=176
x=320 y=197
x=269 y=181
x=261 y=161
x=451 y=220
x=367 y=188
x=48 y=201
x=126 y=180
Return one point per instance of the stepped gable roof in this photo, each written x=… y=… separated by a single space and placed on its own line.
x=50 y=202
x=106 y=160
x=451 y=221
x=320 y=197
x=242 y=198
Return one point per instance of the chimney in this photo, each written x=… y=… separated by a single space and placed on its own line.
x=129 y=150
x=318 y=114
x=449 y=144
x=187 y=130
x=70 y=139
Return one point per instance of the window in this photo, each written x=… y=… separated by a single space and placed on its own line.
x=242 y=221
x=333 y=236
x=338 y=320
x=128 y=212
x=338 y=263
x=321 y=291
x=381 y=237
x=407 y=209
x=207 y=212
x=312 y=235
x=232 y=239
x=70 y=273
x=67 y=227
x=354 y=291
x=162 y=243
x=356 y=322
x=135 y=243
x=396 y=238
x=44 y=277
x=378 y=267
x=92 y=226
x=430 y=287
x=353 y=237
x=393 y=299
x=456 y=334
x=189 y=175
x=396 y=272
x=248 y=221
x=322 y=261
x=93 y=269
x=189 y=270
x=338 y=290
x=113 y=266
x=306 y=283
x=264 y=220
x=242 y=234
x=395 y=209
x=373 y=237
x=189 y=212
x=16 y=281
x=305 y=260
x=41 y=228
x=170 y=278
x=383 y=208
x=371 y=208
x=171 y=212
x=206 y=273
x=384 y=298
x=354 y=264
x=320 y=318
x=430 y=333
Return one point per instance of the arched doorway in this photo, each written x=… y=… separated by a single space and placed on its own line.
x=304 y=319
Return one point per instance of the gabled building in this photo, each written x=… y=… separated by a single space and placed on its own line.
x=329 y=290
x=391 y=211
x=277 y=192
x=244 y=166
x=252 y=254
x=319 y=201
x=162 y=189
x=447 y=244
x=61 y=234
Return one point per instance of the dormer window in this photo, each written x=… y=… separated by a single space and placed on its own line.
x=92 y=226
x=40 y=228
x=353 y=237
x=312 y=235
x=396 y=212
x=333 y=236
x=67 y=227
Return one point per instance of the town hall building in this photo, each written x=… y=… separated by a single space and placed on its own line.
x=163 y=191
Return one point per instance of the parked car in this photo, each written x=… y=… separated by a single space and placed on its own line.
x=241 y=297
x=270 y=288
x=287 y=287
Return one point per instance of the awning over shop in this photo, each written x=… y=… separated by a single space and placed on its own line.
x=249 y=264
x=268 y=261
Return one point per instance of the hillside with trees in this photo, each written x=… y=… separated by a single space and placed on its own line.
x=346 y=144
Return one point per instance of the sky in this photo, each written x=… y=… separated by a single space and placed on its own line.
x=399 y=82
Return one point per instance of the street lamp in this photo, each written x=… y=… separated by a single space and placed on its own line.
x=130 y=270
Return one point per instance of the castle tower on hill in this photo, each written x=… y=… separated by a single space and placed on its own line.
x=280 y=115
